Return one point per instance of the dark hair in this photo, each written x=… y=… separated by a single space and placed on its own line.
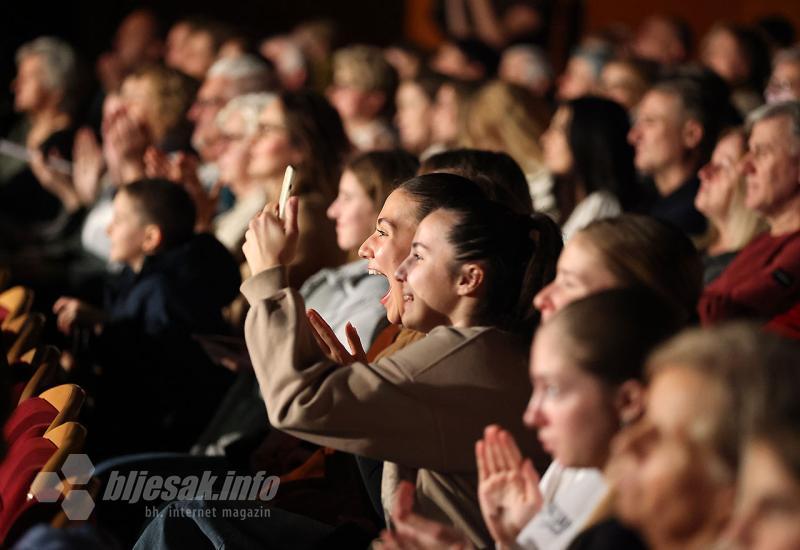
x=602 y=156
x=498 y=175
x=611 y=333
x=646 y=252
x=519 y=253
x=481 y=53
x=429 y=82
x=316 y=129
x=166 y=205
x=380 y=172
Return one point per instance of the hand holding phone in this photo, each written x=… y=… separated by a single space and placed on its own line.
x=286 y=190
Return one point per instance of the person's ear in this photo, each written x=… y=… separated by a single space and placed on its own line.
x=153 y=237
x=692 y=133
x=470 y=279
x=629 y=401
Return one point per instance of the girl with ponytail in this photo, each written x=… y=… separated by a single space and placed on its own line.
x=468 y=282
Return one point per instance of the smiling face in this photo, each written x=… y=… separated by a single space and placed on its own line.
x=768 y=508
x=428 y=276
x=580 y=272
x=772 y=165
x=720 y=177
x=127 y=233
x=354 y=212
x=573 y=410
x=389 y=245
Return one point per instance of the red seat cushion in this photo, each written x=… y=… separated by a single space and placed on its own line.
x=32 y=417
x=23 y=461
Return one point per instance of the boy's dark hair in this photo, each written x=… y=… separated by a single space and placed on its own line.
x=166 y=205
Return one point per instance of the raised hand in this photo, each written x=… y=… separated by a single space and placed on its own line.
x=71 y=313
x=330 y=344
x=508 y=486
x=269 y=240
x=87 y=166
x=413 y=532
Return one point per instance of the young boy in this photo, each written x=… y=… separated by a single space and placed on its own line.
x=173 y=284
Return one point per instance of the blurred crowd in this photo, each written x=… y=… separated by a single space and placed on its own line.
x=509 y=304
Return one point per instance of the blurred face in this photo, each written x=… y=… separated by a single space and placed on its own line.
x=388 y=246
x=212 y=96
x=138 y=98
x=134 y=37
x=657 y=40
x=353 y=211
x=572 y=410
x=519 y=67
x=656 y=133
x=31 y=92
x=126 y=232
x=272 y=150
x=668 y=479
x=772 y=165
x=445 y=116
x=235 y=155
x=578 y=79
x=580 y=272
x=723 y=56
x=198 y=54
x=555 y=144
x=720 y=177
x=621 y=84
x=349 y=100
x=784 y=84
x=177 y=37
x=413 y=117
x=428 y=276
x=768 y=507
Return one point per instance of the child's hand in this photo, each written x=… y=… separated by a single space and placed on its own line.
x=72 y=313
x=271 y=241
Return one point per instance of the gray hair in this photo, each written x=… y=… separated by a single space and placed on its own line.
x=249 y=106
x=248 y=72
x=59 y=64
x=790 y=109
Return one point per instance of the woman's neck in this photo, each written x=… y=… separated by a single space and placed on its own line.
x=44 y=123
x=724 y=241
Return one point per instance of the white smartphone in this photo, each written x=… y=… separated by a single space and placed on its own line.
x=286 y=190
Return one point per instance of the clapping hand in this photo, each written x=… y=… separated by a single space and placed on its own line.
x=508 y=486
x=413 y=532
x=270 y=240
x=330 y=344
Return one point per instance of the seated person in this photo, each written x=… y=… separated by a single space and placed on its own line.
x=174 y=283
x=763 y=281
x=363 y=89
x=731 y=225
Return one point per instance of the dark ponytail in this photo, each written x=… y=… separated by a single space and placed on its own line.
x=519 y=254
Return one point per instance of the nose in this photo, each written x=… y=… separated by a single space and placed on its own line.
x=747 y=165
x=401 y=274
x=633 y=134
x=533 y=417
x=705 y=172
x=542 y=301
x=333 y=211
x=365 y=250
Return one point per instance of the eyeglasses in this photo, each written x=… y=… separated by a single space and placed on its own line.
x=265 y=128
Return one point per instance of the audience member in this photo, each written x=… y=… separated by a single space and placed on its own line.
x=415 y=109
x=582 y=74
x=762 y=281
x=526 y=65
x=363 y=90
x=674 y=132
x=784 y=82
x=138 y=41
x=466 y=59
x=626 y=81
x=663 y=39
x=449 y=110
x=287 y=57
x=587 y=152
x=721 y=198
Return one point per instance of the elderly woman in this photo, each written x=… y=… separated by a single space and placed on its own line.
x=45 y=95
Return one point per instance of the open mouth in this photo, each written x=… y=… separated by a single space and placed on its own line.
x=373 y=271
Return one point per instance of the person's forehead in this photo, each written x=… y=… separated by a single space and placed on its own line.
x=774 y=129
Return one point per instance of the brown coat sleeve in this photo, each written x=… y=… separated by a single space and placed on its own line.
x=367 y=409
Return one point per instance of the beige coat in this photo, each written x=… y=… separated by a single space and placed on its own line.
x=423 y=407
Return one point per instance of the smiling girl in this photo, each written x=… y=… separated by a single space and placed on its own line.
x=422 y=408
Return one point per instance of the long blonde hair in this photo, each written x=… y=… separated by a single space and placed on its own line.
x=508 y=118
